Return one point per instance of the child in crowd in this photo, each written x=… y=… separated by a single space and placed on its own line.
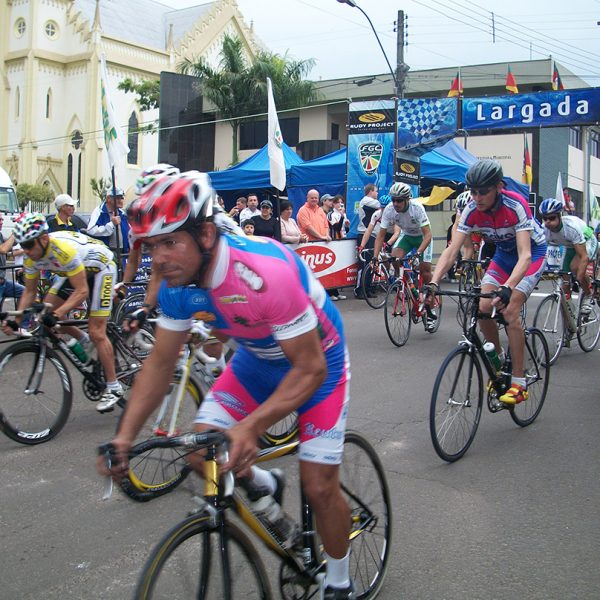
x=248 y=227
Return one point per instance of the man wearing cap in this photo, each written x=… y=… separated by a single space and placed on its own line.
x=65 y=219
x=265 y=223
x=107 y=219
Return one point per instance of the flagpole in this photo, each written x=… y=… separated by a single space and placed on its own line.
x=117 y=227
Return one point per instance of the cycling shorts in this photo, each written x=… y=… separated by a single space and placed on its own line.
x=100 y=286
x=502 y=266
x=248 y=381
x=591 y=247
x=412 y=242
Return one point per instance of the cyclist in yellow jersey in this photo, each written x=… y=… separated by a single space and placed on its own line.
x=86 y=269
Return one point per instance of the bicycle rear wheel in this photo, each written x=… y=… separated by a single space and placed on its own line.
x=550 y=321
x=36 y=415
x=456 y=403
x=365 y=488
x=397 y=313
x=374 y=285
x=588 y=326
x=537 y=372
x=158 y=471
x=188 y=564
x=281 y=432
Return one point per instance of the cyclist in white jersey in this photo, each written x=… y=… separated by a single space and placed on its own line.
x=579 y=241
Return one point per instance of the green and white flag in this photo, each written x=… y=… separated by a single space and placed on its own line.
x=114 y=140
x=275 y=145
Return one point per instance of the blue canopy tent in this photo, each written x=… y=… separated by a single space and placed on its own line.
x=250 y=175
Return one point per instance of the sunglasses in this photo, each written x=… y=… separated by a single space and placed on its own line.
x=28 y=245
x=550 y=218
x=480 y=191
x=397 y=200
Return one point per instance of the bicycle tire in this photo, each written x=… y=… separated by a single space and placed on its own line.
x=397 y=313
x=159 y=471
x=537 y=376
x=550 y=320
x=185 y=562
x=375 y=292
x=36 y=418
x=364 y=485
x=456 y=403
x=128 y=305
x=282 y=432
x=588 y=326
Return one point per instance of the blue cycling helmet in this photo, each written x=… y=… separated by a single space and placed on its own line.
x=550 y=206
x=384 y=200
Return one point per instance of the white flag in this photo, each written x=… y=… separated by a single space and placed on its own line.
x=593 y=208
x=559 y=189
x=275 y=147
x=115 y=142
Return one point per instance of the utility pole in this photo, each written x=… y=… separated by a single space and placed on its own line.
x=401 y=67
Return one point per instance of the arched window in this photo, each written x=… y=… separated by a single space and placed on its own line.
x=49 y=104
x=132 y=139
x=17 y=102
x=70 y=175
x=79 y=176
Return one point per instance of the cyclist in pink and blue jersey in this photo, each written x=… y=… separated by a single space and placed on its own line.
x=292 y=354
x=504 y=218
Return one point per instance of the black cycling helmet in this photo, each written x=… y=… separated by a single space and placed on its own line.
x=484 y=173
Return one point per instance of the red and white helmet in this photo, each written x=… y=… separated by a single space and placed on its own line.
x=149 y=175
x=172 y=203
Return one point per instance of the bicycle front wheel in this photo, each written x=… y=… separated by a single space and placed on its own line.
x=374 y=285
x=549 y=320
x=158 y=471
x=282 y=432
x=588 y=325
x=34 y=408
x=365 y=488
x=189 y=563
x=537 y=372
x=397 y=313
x=456 y=404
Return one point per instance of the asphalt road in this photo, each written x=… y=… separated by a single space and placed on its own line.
x=517 y=517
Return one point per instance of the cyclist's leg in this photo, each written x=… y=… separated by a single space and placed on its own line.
x=495 y=276
x=56 y=296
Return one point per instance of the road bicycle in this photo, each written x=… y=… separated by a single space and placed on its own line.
x=375 y=278
x=37 y=390
x=458 y=391
x=156 y=473
x=209 y=556
x=402 y=304
x=471 y=272
x=559 y=320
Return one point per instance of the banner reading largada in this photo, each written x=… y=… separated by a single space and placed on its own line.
x=334 y=263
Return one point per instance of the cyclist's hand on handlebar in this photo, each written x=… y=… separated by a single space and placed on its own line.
x=50 y=319
x=243 y=448
x=502 y=299
x=134 y=320
x=200 y=332
x=428 y=292
x=113 y=459
x=10 y=327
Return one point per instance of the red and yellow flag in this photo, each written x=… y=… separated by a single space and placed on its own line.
x=511 y=84
x=557 y=83
x=456 y=88
x=527 y=171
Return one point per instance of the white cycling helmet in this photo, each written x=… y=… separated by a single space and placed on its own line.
x=400 y=190
x=462 y=201
x=151 y=174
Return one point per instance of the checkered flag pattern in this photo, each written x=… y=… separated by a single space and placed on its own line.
x=428 y=118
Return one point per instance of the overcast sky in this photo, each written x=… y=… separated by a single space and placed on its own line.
x=441 y=33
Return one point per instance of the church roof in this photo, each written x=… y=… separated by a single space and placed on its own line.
x=145 y=22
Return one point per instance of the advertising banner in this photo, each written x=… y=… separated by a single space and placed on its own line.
x=537 y=109
x=408 y=168
x=333 y=263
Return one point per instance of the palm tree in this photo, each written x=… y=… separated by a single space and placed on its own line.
x=239 y=88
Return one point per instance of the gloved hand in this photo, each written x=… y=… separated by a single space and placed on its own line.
x=139 y=315
x=49 y=319
x=504 y=293
x=200 y=332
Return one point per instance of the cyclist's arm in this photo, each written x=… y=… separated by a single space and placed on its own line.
x=395 y=236
x=79 y=294
x=524 y=250
x=307 y=373
x=581 y=275
x=448 y=257
x=426 y=229
x=367 y=235
x=29 y=293
x=7 y=245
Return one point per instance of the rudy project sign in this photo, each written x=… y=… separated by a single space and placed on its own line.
x=539 y=109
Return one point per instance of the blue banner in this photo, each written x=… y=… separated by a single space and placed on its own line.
x=537 y=109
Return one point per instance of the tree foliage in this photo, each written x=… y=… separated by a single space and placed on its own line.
x=147 y=90
x=99 y=187
x=35 y=193
x=238 y=88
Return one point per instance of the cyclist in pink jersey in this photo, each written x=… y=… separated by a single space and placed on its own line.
x=292 y=354
x=504 y=218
